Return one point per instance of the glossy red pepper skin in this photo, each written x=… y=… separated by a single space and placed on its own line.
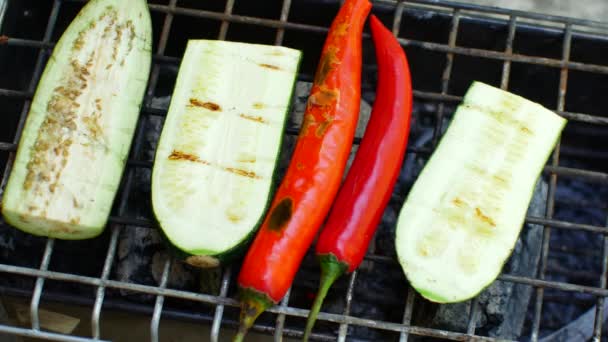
x=367 y=188
x=313 y=177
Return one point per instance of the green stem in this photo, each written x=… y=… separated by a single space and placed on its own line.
x=331 y=269
x=253 y=303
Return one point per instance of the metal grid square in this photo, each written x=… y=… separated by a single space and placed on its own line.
x=450 y=50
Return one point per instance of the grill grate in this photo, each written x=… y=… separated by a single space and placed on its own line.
x=458 y=14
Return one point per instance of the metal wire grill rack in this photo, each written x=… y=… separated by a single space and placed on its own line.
x=567 y=28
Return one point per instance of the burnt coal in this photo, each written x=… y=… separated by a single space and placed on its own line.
x=141 y=252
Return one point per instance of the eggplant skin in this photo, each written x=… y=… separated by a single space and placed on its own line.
x=78 y=132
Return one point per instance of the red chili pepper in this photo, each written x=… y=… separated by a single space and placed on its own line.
x=368 y=186
x=313 y=178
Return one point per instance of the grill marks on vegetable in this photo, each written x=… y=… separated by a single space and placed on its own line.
x=183 y=156
x=207 y=105
x=72 y=118
x=269 y=66
x=253 y=118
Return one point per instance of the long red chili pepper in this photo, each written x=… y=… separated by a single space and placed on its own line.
x=368 y=186
x=307 y=191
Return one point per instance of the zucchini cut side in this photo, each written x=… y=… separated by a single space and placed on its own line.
x=81 y=122
x=219 y=148
x=462 y=218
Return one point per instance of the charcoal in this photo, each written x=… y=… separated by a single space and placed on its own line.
x=580 y=329
x=142 y=253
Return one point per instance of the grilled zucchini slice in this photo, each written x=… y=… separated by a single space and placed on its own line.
x=462 y=218
x=79 y=129
x=220 y=144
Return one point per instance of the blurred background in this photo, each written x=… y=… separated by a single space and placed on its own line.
x=586 y=9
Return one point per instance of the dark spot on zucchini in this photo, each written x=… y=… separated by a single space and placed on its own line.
x=281 y=214
x=207 y=105
x=269 y=66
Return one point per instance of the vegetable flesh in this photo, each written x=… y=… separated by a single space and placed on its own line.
x=81 y=122
x=220 y=144
x=463 y=216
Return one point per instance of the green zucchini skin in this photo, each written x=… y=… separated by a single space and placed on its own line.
x=203 y=258
x=78 y=131
x=461 y=220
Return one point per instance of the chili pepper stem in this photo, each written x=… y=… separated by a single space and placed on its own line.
x=331 y=269
x=253 y=303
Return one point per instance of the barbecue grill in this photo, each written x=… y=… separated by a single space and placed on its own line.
x=556 y=61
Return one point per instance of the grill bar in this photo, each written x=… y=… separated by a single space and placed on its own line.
x=160 y=299
x=280 y=321
x=210 y=299
x=563 y=83
x=506 y=66
x=407 y=313
x=473 y=316
x=423 y=95
x=35 y=303
x=284 y=14
x=42 y=334
x=219 y=309
x=343 y=331
x=599 y=308
x=445 y=78
x=224 y=27
x=105 y=273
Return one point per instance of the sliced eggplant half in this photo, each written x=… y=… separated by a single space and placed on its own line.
x=73 y=148
x=462 y=218
x=218 y=151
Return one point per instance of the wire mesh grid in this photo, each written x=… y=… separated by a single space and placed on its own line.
x=565 y=27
